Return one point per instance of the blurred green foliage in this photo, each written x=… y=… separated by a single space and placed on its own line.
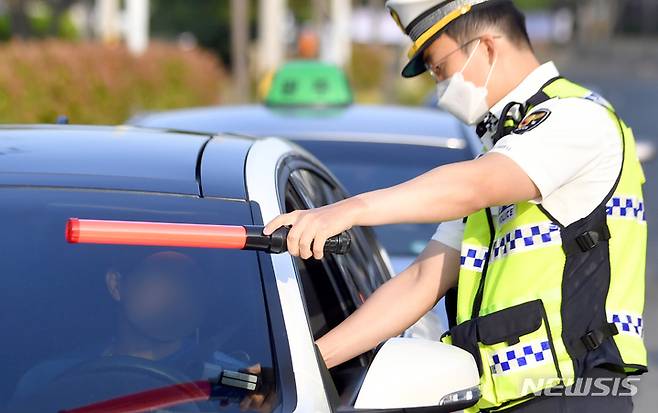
x=93 y=83
x=66 y=29
x=38 y=19
x=534 y=4
x=301 y=8
x=41 y=25
x=5 y=28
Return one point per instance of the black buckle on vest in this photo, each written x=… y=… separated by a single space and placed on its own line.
x=593 y=339
x=590 y=239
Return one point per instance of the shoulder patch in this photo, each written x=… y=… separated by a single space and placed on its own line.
x=533 y=120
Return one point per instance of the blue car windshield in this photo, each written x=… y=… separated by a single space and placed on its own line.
x=363 y=167
x=82 y=324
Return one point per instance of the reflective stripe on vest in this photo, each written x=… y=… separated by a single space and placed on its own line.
x=626 y=207
x=526 y=238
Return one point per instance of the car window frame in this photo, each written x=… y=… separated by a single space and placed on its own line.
x=362 y=253
x=367 y=236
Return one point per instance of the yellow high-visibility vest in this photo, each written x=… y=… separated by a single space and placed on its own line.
x=539 y=303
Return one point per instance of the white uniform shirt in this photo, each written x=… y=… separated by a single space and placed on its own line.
x=574 y=156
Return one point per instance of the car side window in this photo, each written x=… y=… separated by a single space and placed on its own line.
x=363 y=266
x=87 y=323
x=328 y=300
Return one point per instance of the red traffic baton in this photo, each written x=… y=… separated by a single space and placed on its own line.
x=161 y=234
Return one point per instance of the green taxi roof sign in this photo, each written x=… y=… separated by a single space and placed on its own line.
x=309 y=84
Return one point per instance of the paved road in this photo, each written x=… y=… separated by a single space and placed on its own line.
x=627 y=75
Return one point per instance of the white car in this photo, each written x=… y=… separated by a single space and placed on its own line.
x=112 y=327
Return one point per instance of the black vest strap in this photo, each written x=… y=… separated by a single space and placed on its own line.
x=451 y=306
x=541 y=96
x=587 y=240
x=477 y=300
x=537 y=99
x=594 y=338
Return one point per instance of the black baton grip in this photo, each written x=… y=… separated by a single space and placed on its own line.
x=338 y=244
x=277 y=242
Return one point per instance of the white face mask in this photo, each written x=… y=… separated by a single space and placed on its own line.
x=463 y=99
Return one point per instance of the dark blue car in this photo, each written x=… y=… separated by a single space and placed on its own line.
x=114 y=328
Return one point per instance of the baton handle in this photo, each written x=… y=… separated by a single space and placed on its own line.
x=277 y=243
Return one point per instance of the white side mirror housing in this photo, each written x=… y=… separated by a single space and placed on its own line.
x=412 y=372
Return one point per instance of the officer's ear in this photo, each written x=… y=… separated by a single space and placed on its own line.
x=491 y=47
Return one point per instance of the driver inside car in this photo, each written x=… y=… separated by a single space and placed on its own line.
x=160 y=306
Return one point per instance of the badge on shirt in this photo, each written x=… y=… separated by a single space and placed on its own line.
x=533 y=120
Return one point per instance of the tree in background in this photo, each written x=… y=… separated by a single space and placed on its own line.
x=27 y=19
x=20 y=26
x=58 y=8
x=208 y=20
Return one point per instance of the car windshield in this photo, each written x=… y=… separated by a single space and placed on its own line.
x=83 y=324
x=363 y=167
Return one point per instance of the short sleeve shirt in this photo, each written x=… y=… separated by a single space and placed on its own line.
x=573 y=155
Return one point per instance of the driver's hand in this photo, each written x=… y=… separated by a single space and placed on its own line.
x=264 y=400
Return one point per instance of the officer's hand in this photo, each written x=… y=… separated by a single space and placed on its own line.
x=311 y=228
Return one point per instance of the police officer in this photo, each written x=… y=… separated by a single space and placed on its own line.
x=549 y=262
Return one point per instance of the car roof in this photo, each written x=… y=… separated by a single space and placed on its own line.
x=118 y=158
x=260 y=120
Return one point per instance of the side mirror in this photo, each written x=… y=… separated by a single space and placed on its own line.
x=409 y=373
x=646 y=150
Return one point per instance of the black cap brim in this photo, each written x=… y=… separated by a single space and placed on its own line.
x=416 y=65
